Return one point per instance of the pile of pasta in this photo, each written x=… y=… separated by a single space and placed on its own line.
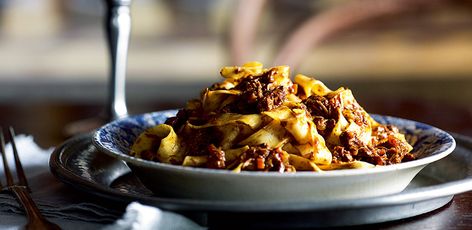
x=258 y=119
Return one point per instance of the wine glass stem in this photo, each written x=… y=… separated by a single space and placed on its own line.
x=118 y=27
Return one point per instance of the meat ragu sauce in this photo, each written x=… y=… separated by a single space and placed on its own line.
x=384 y=150
x=258 y=94
x=259 y=120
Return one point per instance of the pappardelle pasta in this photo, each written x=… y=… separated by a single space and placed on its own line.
x=258 y=119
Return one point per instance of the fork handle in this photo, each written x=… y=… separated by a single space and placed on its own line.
x=35 y=219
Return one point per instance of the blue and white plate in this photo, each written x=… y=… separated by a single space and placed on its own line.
x=429 y=144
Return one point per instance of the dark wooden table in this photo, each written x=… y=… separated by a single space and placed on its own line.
x=46 y=121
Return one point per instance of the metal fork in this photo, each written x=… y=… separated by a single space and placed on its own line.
x=21 y=190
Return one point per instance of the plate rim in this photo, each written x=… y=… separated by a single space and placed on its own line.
x=451 y=144
x=181 y=204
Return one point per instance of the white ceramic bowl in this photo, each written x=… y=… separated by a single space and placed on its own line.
x=115 y=139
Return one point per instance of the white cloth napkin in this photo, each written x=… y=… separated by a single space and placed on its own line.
x=142 y=217
x=73 y=209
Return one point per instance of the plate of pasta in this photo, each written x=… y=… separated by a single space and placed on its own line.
x=259 y=136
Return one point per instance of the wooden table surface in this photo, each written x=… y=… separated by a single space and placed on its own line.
x=46 y=121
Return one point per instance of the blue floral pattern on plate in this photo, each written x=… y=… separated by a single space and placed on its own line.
x=117 y=137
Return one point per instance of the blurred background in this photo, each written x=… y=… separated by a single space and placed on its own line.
x=418 y=51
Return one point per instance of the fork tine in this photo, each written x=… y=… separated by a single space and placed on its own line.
x=5 y=162
x=22 y=191
x=19 y=168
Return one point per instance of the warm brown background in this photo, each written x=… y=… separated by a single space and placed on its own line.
x=53 y=65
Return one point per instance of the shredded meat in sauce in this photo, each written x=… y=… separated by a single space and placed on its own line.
x=385 y=149
x=259 y=94
x=261 y=158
